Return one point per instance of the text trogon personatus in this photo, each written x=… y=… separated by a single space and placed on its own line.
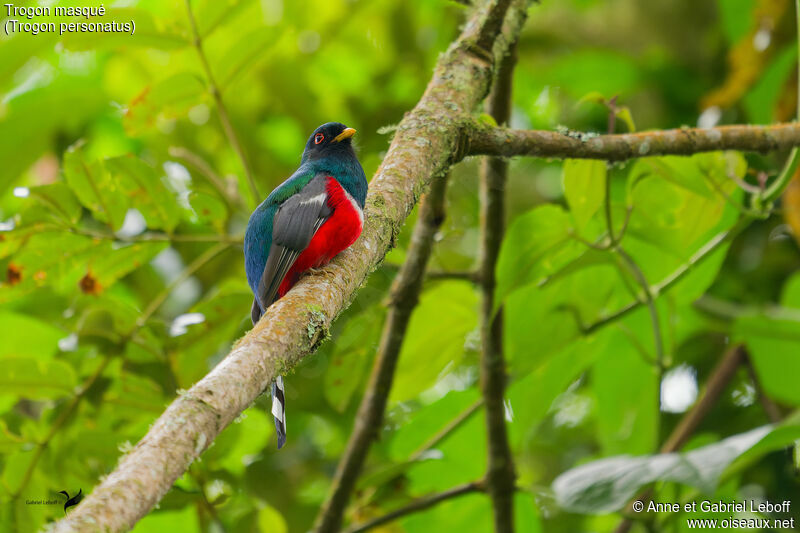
x=303 y=224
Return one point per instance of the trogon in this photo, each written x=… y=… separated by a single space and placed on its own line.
x=306 y=221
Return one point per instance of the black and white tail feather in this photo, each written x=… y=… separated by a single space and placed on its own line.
x=279 y=410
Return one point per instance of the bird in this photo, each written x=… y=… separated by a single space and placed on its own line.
x=304 y=223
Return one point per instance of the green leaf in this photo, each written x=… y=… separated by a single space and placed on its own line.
x=773 y=346
x=109 y=267
x=211 y=14
x=132 y=394
x=270 y=519
x=59 y=200
x=736 y=17
x=169 y=98
x=624 y=114
x=625 y=386
x=13 y=240
x=467 y=513
x=678 y=205
x=435 y=338
x=462 y=459
x=31 y=119
x=531 y=396
x=537 y=243
x=9 y=442
x=608 y=484
x=243 y=52
x=584 y=188
x=210 y=210
x=593 y=97
x=257 y=427
x=37 y=379
x=528 y=347
x=146 y=191
x=790 y=295
x=95 y=188
x=31 y=337
x=51 y=258
x=169 y=521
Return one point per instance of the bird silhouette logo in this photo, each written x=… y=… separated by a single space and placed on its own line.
x=75 y=500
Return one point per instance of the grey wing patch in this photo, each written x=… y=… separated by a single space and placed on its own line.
x=299 y=217
x=295 y=223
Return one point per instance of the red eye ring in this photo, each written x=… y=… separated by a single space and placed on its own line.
x=318 y=138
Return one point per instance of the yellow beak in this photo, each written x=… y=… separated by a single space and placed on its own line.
x=346 y=134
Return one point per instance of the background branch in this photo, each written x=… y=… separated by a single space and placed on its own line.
x=506 y=142
x=403 y=296
x=500 y=475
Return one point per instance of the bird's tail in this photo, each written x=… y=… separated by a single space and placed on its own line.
x=279 y=410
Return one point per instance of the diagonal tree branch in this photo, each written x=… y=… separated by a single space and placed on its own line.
x=500 y=475
x=403 y=296
x=425 y=144
x=484 y=140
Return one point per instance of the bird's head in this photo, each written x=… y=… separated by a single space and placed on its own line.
x=329 y=139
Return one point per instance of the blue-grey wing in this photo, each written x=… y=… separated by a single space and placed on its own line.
x=295 y=223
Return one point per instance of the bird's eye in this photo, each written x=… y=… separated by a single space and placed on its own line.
x=318 y=138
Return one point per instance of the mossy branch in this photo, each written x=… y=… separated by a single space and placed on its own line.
x=485 y=140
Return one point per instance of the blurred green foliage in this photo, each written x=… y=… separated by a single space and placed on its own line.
x=123 y=202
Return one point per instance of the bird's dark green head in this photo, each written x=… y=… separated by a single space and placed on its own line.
x=329 y=139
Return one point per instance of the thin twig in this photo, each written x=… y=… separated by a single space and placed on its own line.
x=500 y=475
x=678 y=274
x=419 y=505
x=221 y=109
x=728 y=311
x=404 y=296
x=649 y=300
